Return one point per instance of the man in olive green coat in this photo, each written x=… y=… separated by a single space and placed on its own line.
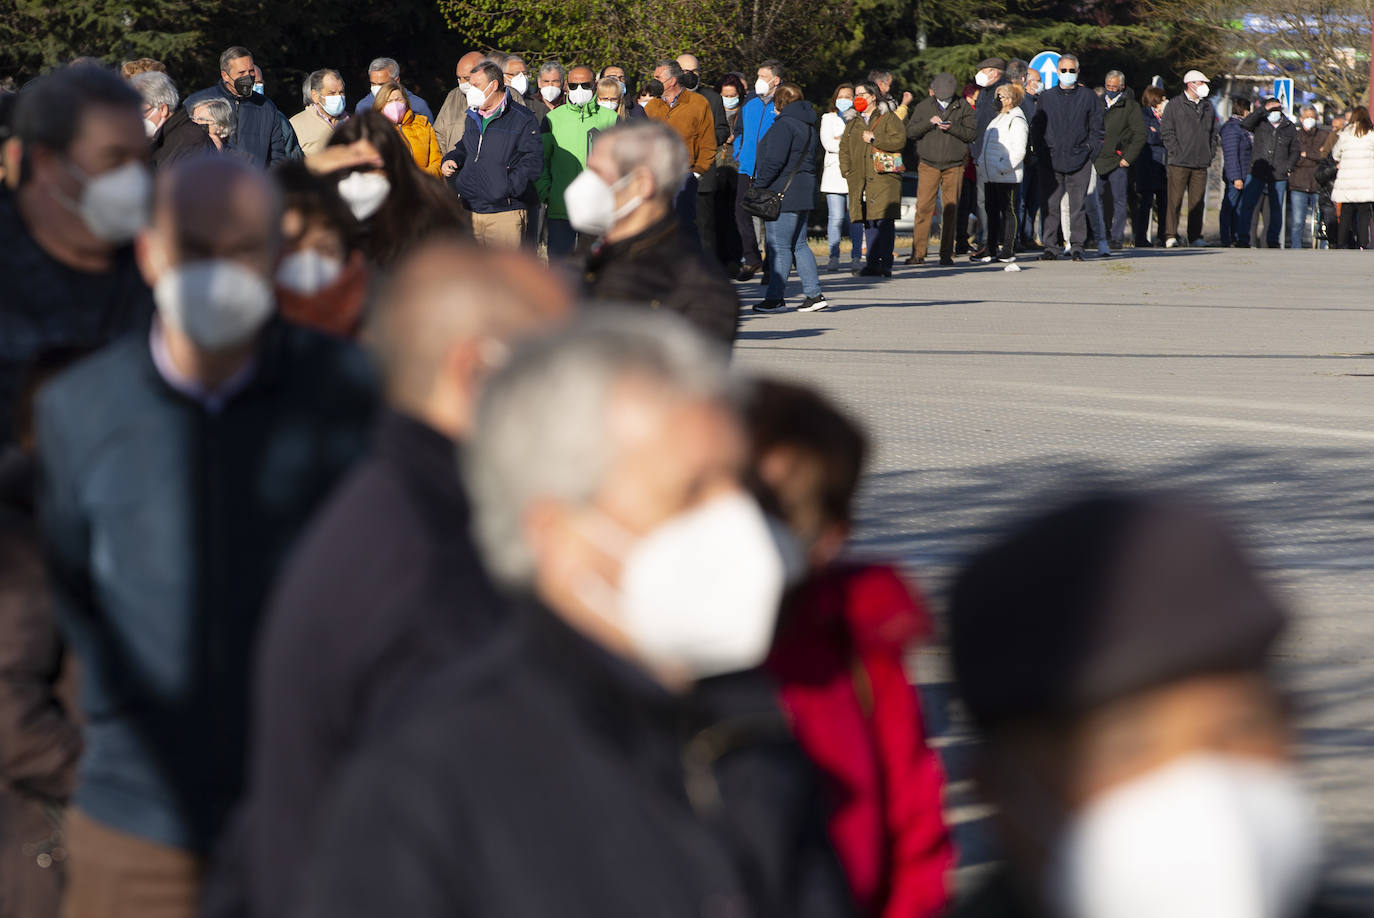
x=1124 y=139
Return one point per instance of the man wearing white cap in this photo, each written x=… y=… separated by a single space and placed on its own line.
x=1190 y=134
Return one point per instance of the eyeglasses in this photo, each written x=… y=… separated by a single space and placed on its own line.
x=1069 y=70
x=587 y=85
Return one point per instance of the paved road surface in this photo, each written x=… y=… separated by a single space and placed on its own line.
x=1245 y=375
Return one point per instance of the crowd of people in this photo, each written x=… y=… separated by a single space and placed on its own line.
x=356 y=561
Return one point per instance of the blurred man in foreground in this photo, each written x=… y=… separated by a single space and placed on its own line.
x=609 y=757
x=1114 y=654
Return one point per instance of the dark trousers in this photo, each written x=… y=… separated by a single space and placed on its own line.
x=744 y=222
x=728 y=247
x=1075 y=185
x=1152 y=184
x=880 y=236
x=1113 y=191
x=706 y=212
x=1028 y=203
x=685 y=205
x=1353 y=232
x=1193 y=182
x=1000 y=198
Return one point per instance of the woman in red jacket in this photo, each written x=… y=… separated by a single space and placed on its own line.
x=838 y=658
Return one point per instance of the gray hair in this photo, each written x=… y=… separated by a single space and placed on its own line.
x=541 y=422
x=315 y=82
x=1308 y=108
x=385 y=63
x=554 y=67
x=499 y=58
x=673 y=67
x=876 y=76
x=232 y=54
x=1113 y=75
x=653 y=145
x=156 y=88
x=1016 y=70
x=221 y=115
x=1068 y=57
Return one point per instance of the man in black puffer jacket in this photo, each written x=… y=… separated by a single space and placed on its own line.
x=1068 y=126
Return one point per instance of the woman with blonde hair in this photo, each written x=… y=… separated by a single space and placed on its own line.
x=415 y=129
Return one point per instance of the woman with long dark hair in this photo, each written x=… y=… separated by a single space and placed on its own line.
x=397 y=205
x=1354 y=189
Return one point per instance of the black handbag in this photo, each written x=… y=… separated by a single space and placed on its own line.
x=765 y=204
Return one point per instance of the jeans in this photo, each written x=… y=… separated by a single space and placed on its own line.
x=685 y=205
x=881 y=236
x=1277 y=193
x=1001 y=200
x=1300 y=206
x=1113 y=189
x=1233 y=228
x=1092 y=205
x=786 y=241
x=838 y=205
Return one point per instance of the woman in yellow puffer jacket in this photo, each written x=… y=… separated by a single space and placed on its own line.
x=415 y=129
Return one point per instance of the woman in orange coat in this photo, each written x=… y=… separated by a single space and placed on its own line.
x=415 y=129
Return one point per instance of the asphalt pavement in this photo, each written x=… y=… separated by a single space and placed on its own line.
x=1245 y=376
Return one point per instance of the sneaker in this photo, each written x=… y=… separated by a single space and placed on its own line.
x=813 y=304
x=770 y=306
x=856 y=268
x=1171 y=242
x=1049 y=255
x=1199 y=243
x=1006 y=260
x=983 y=260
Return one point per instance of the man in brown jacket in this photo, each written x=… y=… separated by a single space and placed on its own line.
x=448 y=125
x=689 y=114
x=942 y=126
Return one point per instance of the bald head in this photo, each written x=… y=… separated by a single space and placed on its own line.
x=444 y=319
x=213 y=207
x=468 y=63
x=688 y=62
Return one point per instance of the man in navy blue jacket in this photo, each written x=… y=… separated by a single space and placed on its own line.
x=178 y=466
x=1068 y=127
x=262 y=131
x=499 y=157
x=1236 y=152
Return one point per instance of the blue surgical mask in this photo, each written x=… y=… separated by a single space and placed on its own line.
x=730 y=101
x=258 y=88
x=843 y=105
x=1068 y=79
x=333 y=105
x=1275 y=117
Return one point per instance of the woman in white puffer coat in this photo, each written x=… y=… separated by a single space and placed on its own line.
x=1001 y=166
x=1354 y=190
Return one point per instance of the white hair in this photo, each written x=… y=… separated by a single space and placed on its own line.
x=221 y=113
x=541 y=421
x=653 y=145
x=385 y=63
x=156 y=88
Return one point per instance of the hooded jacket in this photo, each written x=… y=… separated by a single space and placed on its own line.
x=1190 y=133
x=942 y=149
x=1068 y=124
x=1276 y=146
x=755 y=121
x=566 y=136
x=498 y=160
x=260 y=130
x=790 y=146
x=1123 y=133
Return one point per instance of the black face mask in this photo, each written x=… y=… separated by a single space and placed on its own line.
x=689 y=80
x=243 y=86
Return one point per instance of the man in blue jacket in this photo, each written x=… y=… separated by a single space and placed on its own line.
x=261 y=130
x=755 y=121
x=1236 y=152
x=178 y=464
x=499 y=157
x=1068 y=127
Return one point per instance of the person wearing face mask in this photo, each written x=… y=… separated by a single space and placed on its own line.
x=162 y=607
x=385 y=70
x=844 y=632
x=1275 y=154
x=1068 y=130
x=1123 y=139
x=833 y=184
x=1310 y=147
x=990 y=75
x=1237 y=149
x=624 y=200
x=942 y=126
x=644 y=586
x=1031 y=206
x=566 y=135
x=1353 y=190
x=610 y=97
x=728 y=246
x=77 y=196
x=1151 y=176
x=293 y=146
x=172 y=134
x=755 y=121
x=324 y=110
x=498 y=160
x=216 y=118
x=629 y=105
x=1000 y=169
x=708 y=185
x=876 y=136
x=414 y=128
x=386 y=584
x=550 y=88
x=1191 y=137
x=689 y=114
x=453 y=114
x=397 y=206
x=1116 y=657
x=260 y=130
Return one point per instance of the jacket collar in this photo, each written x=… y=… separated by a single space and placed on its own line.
x=652 y=238
x=429 y=458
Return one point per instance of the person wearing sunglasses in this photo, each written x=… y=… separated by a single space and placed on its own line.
x=567 y=134
x=1069 y=127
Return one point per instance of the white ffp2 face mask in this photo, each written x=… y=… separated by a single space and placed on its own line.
x=1208 y=836
x=591 y=203
x=581 y=96
x=761 y=88
x=307 y=272
x=519 y=83
x=550 y=92
x=701 y=591
x=114 y=204
x=1202 y=89
x=217 y=303
x=364 y=193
